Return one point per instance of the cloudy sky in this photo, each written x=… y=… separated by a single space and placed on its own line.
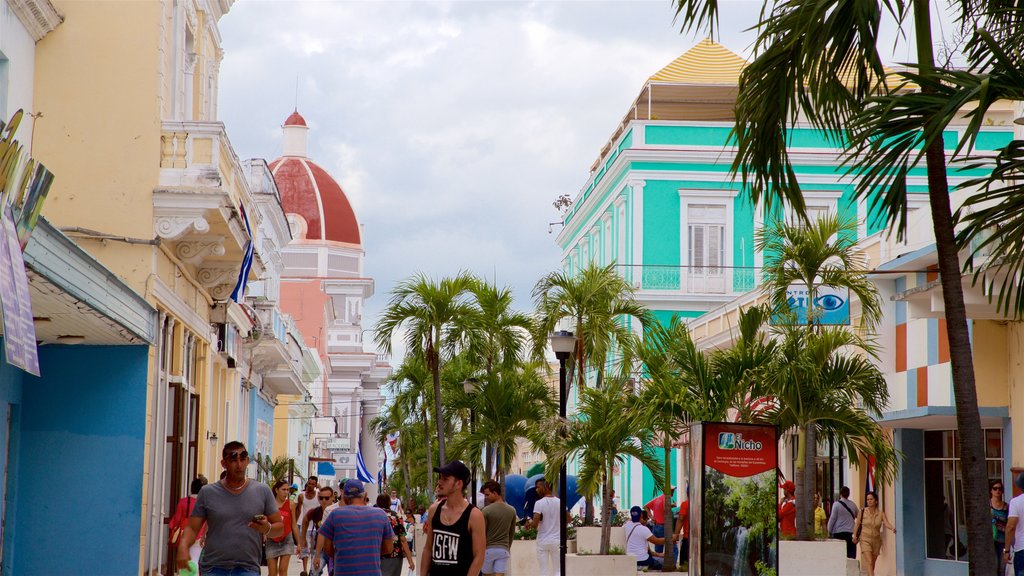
x=452 y=126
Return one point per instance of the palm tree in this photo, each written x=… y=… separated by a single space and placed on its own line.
x=435 y=316
x=596 y=301
x=819 y=62
x=506 y=404
x=500 y=334
x=410 y=385
x=818 y=254
x=609 y=428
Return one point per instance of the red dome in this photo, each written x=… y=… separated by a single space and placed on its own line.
x=309 y=191
x=295 y=119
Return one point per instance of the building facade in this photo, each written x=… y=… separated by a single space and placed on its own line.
x=324 y=287
x=660 y=204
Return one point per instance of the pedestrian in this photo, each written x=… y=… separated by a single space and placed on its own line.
x=656 y=510
x=181 y=513
x=279 y=549
x=455 y=535
x=357 y=534
x=548 y=512
x=787 y=510
x=1000 y=513
x=306 y=502
x=500 y=520
x=638 y=535
x=842 y=519
x=683 y=530
x=238 y=513
x=819 y=517
x=1014 y=550
x=311 y=525
x=615 y=506
x=868 y=532
x=396 y=504
x=391 y=564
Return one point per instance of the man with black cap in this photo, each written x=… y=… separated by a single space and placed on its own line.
x=359 y=535
x=637 y=537
x=455 y=533
x=1015 y=531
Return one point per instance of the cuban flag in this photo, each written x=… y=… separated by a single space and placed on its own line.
x=393 y=441
x=869 y=483
x=362 y=472
x=243 y=274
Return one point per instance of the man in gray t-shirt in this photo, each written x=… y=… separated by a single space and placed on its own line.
x=237 y=512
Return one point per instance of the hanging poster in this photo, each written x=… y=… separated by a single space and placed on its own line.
x=733 y=511
x=19 y=332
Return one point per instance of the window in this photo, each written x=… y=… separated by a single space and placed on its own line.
x=706 y=253
x=945 y=523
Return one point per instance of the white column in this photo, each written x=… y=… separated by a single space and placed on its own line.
x=637 y=231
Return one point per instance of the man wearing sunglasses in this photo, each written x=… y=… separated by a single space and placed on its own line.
x=238 y=513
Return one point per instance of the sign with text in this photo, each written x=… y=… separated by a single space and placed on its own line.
x=15 y=300
x=830 y=306
x=733 y=513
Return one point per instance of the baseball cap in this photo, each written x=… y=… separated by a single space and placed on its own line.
x=456 y=469
x=353 y=489
x=634 y=513
x=788 y=486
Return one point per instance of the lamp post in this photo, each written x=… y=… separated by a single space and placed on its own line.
x=469 y=386
x=562 y=342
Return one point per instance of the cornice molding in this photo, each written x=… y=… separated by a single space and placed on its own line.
x=39 y=17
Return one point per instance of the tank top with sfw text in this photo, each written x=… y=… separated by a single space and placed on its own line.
x=451 y=546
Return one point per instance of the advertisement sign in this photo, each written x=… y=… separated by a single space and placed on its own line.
x=733 y=508
x=829 y=307
x=19 y=331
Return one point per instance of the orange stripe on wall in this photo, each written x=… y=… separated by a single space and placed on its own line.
x=943 y=342
x=901 y=347
x=922 y=386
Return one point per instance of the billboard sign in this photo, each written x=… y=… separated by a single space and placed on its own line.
x=735 y=464
x=830 y=306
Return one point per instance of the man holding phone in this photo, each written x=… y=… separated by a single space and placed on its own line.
x=237 y=512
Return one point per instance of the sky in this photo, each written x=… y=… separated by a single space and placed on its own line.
x=451 y=126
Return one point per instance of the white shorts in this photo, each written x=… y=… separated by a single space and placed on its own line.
x=495 y=560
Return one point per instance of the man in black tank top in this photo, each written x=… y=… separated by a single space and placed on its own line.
x=456 y=536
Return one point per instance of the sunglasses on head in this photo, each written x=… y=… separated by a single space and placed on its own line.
x=238 y=455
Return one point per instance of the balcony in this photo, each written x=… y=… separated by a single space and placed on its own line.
x=197 y=206
x=278 y=352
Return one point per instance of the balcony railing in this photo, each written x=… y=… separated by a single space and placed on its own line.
x=695 y=280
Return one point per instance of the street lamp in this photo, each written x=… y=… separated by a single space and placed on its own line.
x=469 y=385
x=562 y=342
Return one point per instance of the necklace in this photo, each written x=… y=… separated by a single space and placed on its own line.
x=236 y=489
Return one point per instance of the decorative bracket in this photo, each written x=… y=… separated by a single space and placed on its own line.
x=197 y=248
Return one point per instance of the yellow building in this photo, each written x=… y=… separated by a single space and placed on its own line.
x=151 y=187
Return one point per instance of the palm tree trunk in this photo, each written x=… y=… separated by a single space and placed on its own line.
x=972 y=447
x=801 y=477
x=606 y=509
x=407 y=470
x=488 y=460
x=435 y=369
x=805 y=502
x=426 y=438
x=670 y=549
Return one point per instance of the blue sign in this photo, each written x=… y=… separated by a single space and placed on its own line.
x=830 y=306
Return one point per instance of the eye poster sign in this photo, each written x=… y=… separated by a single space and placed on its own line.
x=734 y=496
x=828 y=306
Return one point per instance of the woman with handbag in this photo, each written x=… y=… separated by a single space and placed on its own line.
x=181 y=513
x=280 y=549
x=868 y=532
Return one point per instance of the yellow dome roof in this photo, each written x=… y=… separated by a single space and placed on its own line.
x=706 y=63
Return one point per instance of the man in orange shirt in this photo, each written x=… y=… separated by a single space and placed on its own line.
x=683 y=530
x=787 y=510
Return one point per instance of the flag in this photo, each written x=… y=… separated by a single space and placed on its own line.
x=361 y=471
x=243 y=274
x=382 y=474
x=393 y=441
x=869 y=483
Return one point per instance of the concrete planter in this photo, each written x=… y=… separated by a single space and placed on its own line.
x=524 y=558
x=588 y=539
x=596 y=565
x=820 y=557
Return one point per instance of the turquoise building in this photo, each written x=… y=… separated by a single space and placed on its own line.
x=660 y=202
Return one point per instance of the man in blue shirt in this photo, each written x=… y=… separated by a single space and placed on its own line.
x=357 y=533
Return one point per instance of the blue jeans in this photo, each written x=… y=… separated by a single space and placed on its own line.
x=651 y=562
x=1018 y=563
x=659 y=531
x=236 y=571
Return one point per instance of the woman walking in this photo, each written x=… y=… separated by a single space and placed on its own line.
x=1000 y=514
x=868 y=532
x=391 y=564
x=181 y=513
x=280 y=549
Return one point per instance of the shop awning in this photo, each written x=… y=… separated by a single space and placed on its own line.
x=325 y=469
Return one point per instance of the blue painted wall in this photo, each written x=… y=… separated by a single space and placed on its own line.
x=260 y=409
x=79 y=477
x=10 y=394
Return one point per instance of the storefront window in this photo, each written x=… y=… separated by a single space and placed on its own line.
x=945 y=522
